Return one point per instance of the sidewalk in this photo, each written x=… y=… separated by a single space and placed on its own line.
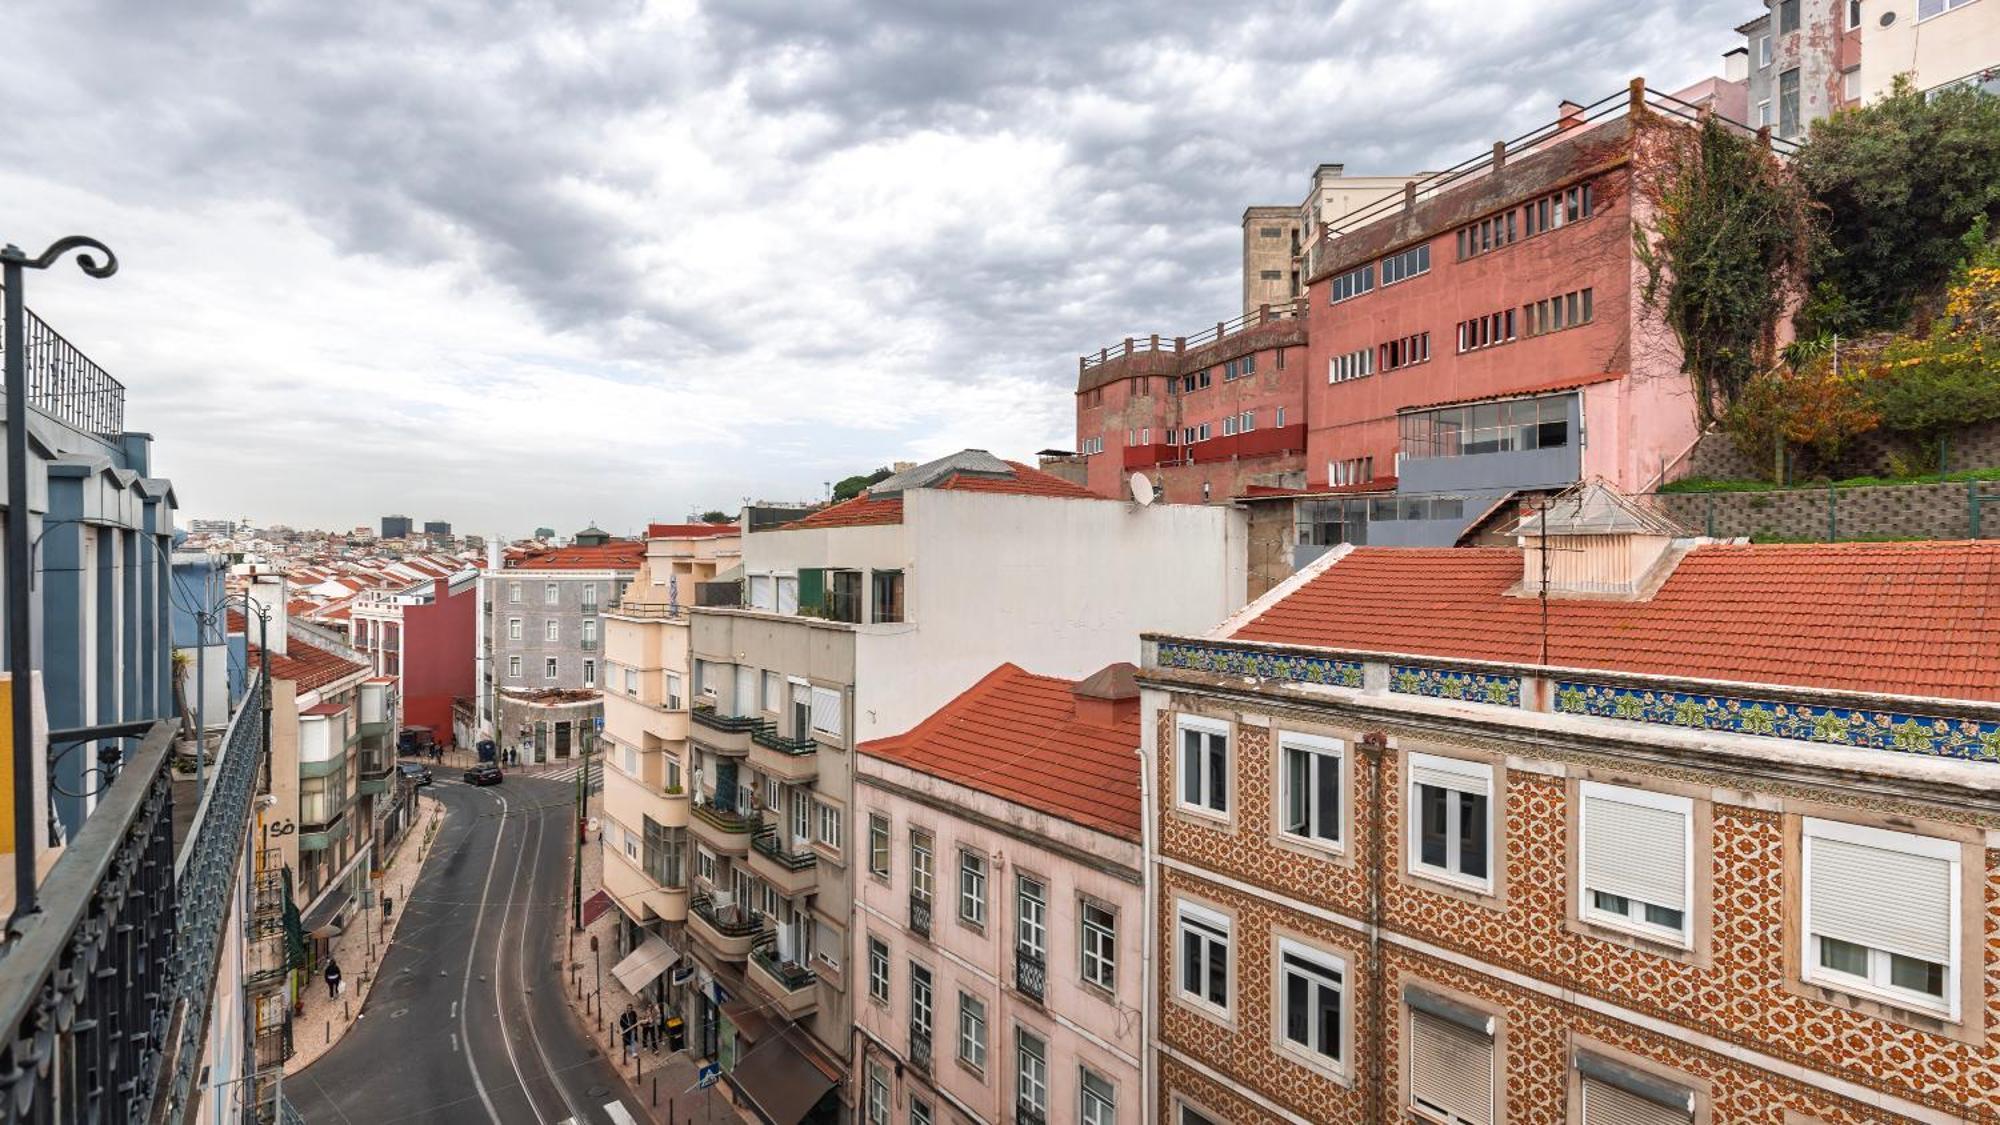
x=658 y=1081
x=360 y=948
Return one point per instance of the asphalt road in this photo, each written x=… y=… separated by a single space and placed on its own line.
x=468 y=1023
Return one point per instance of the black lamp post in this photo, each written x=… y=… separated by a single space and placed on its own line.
x=20 y=601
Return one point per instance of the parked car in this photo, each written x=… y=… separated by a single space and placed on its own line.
x=417 y=774
x=483 y=774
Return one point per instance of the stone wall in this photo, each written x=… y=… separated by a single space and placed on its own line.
x=1875 y=453
x=1917 y=511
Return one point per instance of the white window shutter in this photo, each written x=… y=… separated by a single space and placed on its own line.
x=826 y=711
x=1451 y=1067
x=1883 y=899
x=1605 y=1104
x=1635 y=851
x=1450 y=773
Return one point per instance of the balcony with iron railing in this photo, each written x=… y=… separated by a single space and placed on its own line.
x=920 y=1046
x=1028 y=1113
x=791 y=872
x=1031 y=973
x=725 y=734
x=724 y=829
x=790 y=985
x=105 y=987
x=67 y=385
x=647 y=611
x=920 y=915
x=728 y=931
x=793 y=760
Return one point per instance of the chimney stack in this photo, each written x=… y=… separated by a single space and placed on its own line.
x=268 y=594
x=1108 y=695
x=1569 y=115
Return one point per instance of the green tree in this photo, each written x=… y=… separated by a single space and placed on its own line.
x=716 y=515
x=1932 y=383
x=1899 y=181
x=850 y=487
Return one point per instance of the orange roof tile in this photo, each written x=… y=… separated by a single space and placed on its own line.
x=1017 y=736
x=619 y=554
x=866 y=510
x=306 y=665
x=1525 y=392
x=1896 y=618
x=688 y=530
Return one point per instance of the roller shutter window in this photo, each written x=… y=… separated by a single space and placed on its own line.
x=1605 y=1104
x=1451 y=1071
x=1637 y=866
x=826 y=711
x=1451 y=825
x=1881 y=911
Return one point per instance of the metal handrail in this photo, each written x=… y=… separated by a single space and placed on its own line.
x=704 y=905
x=728 y=820
x=1136 y=345
x=68 y=385
x=768 y=843
x=768 y=737
x=704 y=713
x=86 y=989
x=791 y=974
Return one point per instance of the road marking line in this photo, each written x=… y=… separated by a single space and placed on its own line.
x=619 y=1115
x=472 y=947
x=521 y=974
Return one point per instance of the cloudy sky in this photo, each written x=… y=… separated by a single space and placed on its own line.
x=526 y=263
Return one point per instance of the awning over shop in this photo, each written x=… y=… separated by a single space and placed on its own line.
x=781 y=1083
x=643 y=964
x=324 y=919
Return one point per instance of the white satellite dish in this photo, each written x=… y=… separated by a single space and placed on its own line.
x=1142 y=489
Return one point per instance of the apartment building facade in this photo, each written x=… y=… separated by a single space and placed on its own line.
x=997 y=921
x=1277 y=240
x=540 y=619
x=1938 y=43
x=1416 y=858
x=424 y=637
x=645 y=745
x=859 y=621
x=1810 y=58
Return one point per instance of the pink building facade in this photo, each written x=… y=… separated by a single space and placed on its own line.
x=999 y=913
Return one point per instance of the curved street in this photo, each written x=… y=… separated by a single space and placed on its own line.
x=468 y=1023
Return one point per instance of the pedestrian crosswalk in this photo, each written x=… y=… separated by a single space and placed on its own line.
x=567 y=772
x=616 y=1111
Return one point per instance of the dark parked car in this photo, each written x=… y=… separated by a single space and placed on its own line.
x=485 y=774
x=418 y=774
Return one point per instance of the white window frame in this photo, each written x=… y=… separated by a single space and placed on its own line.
x=1853 y=13
x=1449 y=874
x=972 y=879
x=513 y=667
x=1587 y=908
x=1031 y=1070
x=1320 y=749
x=972 y=1031
x=1764 y=51
x=676 y=691
x=549 y=667
x=514 y=593
x=1325 y=961
x=1107 y=1103
x=1764 y=113
x=774 y=693
x=1097 y=946
x=828 y=826
x=878 y=1094
x=1205 y=803
x=879 y=837
x=590 y=673
x=1212 y=927
x=551 y=593
x=878 y=970
x=1876 y=985
x=513 y=628
x=552 y=630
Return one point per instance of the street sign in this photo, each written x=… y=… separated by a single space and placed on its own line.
x=710 y=1074
x=599 y=720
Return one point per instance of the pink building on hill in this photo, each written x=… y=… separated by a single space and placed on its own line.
x=996 y=951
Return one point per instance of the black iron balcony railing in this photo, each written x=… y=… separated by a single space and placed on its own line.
x=738 y=922
x=67 y=385
x=205 y=875
x=790 y=974
x=920 y=915
x=920 y=1046
x=88 y=989
x=768 y=737
x=587 y=645
x=1031 y=972
x=728 y=820
x=1028 y=1113
x=704 y=714
x=665 y=611
x=771 y=847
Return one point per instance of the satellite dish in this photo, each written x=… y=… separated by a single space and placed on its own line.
x=1142 y=489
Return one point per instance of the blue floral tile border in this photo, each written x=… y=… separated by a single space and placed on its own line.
x=1861 y=728
x=1264 y=665
x=1446 y=683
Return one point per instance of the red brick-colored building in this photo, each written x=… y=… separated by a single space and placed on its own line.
x=424 y=635
x=1711 y=846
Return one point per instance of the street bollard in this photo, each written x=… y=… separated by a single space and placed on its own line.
x=656 y=1091
x=329 y=1032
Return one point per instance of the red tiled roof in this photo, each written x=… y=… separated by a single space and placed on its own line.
x=619 y=554
x=688 y=530
x=1016 y=736
x=307 y=666
x=1895 y=618
x=1524 y=392
x=865 y=509
x=326 y=709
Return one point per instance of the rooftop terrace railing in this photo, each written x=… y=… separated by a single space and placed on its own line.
x=67 y=385
x=1132 y=345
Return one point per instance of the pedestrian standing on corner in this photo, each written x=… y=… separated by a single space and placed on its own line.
x=332 y=978
x=646 y=1031
x=628 y=1027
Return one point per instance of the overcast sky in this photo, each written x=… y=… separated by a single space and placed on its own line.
x=549 y=263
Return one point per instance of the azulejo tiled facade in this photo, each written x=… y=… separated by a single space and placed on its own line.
x=1451 y=683
x=1231 y=661
x=1729 y=1009
x=1842 y=726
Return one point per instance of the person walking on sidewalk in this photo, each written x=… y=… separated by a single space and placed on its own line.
x=332 y=978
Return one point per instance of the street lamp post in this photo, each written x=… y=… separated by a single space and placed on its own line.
x=20 y=601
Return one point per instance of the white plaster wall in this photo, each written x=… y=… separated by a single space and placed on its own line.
x=1941 y=49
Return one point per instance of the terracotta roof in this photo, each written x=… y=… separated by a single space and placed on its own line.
x=1895 y=618
x=688 y=530
x=326 y=709
x=619 y=554
x=306 y=665
x=866 y=509
x=1524 y=392
x=1017 y=736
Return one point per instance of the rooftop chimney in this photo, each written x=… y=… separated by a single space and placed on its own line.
x=1736 y=64
x=268 y=594
x=1569 y=115
x=1108 y=695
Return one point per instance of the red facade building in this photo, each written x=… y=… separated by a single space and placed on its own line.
x=425 y=636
